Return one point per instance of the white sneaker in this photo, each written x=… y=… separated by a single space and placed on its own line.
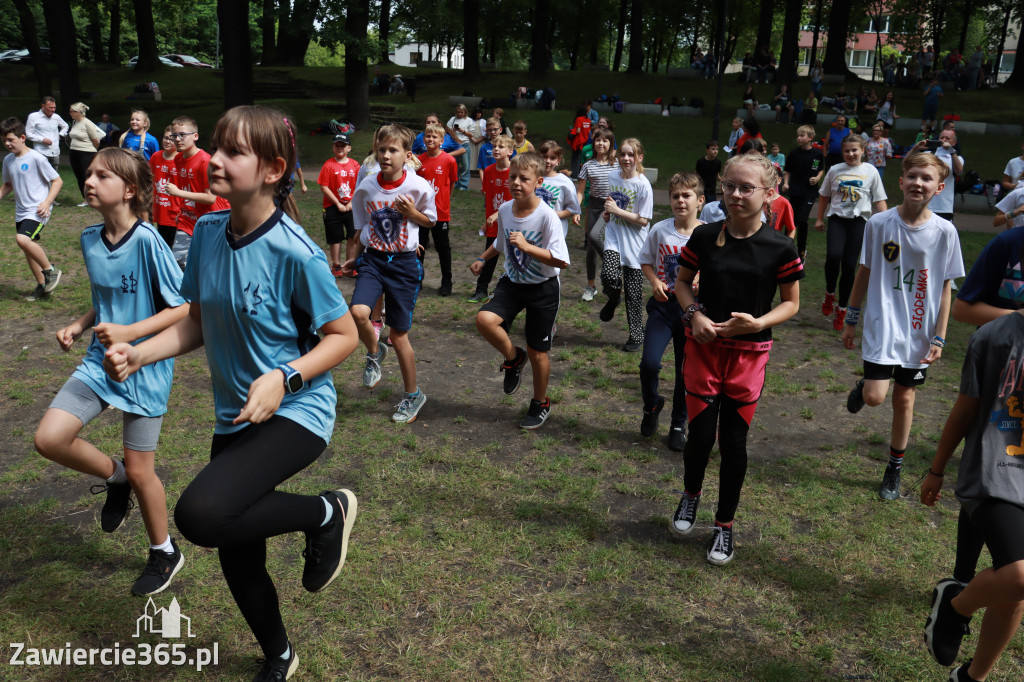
x=372 y=372
x=84 y=204
x=589 y=293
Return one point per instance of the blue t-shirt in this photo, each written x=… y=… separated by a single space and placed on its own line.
x=130 y=281
x=262 y=299
x=932 y=98
x=135 y=143
x=486 y=156
x=448 y=144
x=996 y=277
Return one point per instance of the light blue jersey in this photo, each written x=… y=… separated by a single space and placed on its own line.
x=262 y=299
x=130 y=281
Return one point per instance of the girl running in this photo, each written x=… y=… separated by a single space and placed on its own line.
x=595 y=175
x=741 y=263
x=260 y=291
x=659 y=262
x=134 y=283
x=556 y=189
x=849 y=192
x=628 y=210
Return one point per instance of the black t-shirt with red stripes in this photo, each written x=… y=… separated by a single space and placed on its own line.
x=743 y=275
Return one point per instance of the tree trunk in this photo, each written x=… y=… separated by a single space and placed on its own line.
x=817 y=31
x=764 y=26
x=471 y=41
x=938 y=20
x=357 y=75
x=636 y=38
x=538 y=41
x=27 y=23
x=621 y=40
x=1002 y=43
x=385 y=32
x=114 y=40
x=968 y=9
x=233 y=16
x=60 y=27
x=267 y=25
x=790 y=37
x=96 y=33
x=146 y=32
x=696 y=35
x=294 y=35
x=838 y=30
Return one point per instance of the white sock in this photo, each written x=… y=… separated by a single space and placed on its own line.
x=119 y=474
x=287 y=653
x=327 y=519
x=166 y=547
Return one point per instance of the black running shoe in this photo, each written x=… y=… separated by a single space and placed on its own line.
x=159 y=571
x=960 y=674
x=945 y=628
x=855 y=401
x=115 y=509
x=649 y=423
x=327 y=546
x=676 y=439
x=890 y=488
x=536 y=415
x=632 y=346
x=608 y=310
x=685 y=517
x=278 y=669
x=513 y=371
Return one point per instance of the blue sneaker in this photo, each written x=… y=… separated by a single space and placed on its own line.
x=407 y=410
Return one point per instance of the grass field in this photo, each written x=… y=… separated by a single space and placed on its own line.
x=484 y=552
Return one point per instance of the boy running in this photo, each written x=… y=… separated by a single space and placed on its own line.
x=495 y=188
x=337 y=181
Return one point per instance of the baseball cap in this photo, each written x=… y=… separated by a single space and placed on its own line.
x=341 y=137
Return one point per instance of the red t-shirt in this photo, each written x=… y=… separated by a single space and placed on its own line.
x=441 y=171
x=340 y=178
x=496 y=193
x=782 y=216
x=165 y=207
x=193 y=177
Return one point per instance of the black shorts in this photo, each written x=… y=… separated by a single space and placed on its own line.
x=338 y=225
x=397 y=276
x=540 y=301
x=30 y=228
x=1001 y=526
x=904 y=376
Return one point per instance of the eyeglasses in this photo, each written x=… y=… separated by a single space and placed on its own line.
x=745 y=191
x=179 y=136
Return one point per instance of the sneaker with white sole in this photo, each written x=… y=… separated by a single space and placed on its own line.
x=589 y=293
x=537 y=414
x=685 y=517
x=116 y=506
x=407 y=410
x=278 y=669
x=52 y=278
x=945 y=629
x=38 y=294
x=327 y=546
x=160 y=569
x=720 y=549
x=372 y=371
x=960 y=674
x=513 y=370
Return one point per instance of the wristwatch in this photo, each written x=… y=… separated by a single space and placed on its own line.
x=292 y=378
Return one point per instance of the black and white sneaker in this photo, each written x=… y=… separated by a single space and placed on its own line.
x=51 y=278
x=537 y=414
x=327 y=546
x=960 y=674
x=720 y=549
x=278 y=669
x=608 y=309
x=649 y=423
x=677 y=439
x=685 y=517
x=855 y=401
x=159 y=571
x=513 y=371
x=945 y=628
x=890 y=488
x=115 y=508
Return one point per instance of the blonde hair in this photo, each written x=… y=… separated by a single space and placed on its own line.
x=504 y=141
x=80 y=108
x=605 y=134
x=687 y=180
x=769 y=176
x=400 y=134
x=269 y=135
x=807 y=130
x=434 y=129
x=145 y=117
x=529 y=161
x=921 y=160
x=638 y=151
x=133 y=169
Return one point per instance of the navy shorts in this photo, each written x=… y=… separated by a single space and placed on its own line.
x=1001 y=526
x=540 y=301
x=338 y=225
x=398 y=276
x=904 y=376
x=30 y=228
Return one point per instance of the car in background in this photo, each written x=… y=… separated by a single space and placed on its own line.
x=23 y=57
x=166 y=62
x=5 y=54
x=187 y=60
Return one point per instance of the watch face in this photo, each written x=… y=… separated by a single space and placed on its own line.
x=295 y=383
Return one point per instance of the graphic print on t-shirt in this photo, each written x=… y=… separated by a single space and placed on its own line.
x=1012 y=286
x=386 y=233
x=850 y=187
x=622 y=197
x=669 y=265
x=129 y=283
x=548 y=194
x=519 y=260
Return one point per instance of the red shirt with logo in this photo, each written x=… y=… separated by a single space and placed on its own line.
x=340 y=177
x=165 y=207
x=193 y=177
x=496 y=193
x=440 y=172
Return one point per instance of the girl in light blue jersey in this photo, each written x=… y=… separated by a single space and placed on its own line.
x=134 y=282
x=260 y=290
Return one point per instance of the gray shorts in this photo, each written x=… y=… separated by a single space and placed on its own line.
x=76 y=398
x=182 y=241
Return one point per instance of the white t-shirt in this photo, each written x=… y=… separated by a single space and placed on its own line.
x=661 y=251
x=30 y=174
x=559 y=193
x=1011 y=201
x=909 y=266
x=541 y=229
x=635 y=196
x=852 y=190
x=712 y=212
x=943 y=201
x=1014 y=167
x=373 y=208
x=464 y=132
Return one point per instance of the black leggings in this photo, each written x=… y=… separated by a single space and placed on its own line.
x=843 y=239
x=801 y=213
x=721 y=413
x=233 y=505
x=79 y=164
x=593 y=248
x=483 y=282
x=616 y=277
x=443 y=246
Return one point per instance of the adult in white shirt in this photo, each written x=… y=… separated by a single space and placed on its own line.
x=461 y=127
x=942 y=203
x=1013 y=171
x=44 y=128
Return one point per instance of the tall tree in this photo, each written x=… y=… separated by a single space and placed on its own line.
x=471 y=42
x=620 y=41
x=539 y=38
x=96 y=32
x=267 y=25
x=146 y=32
x=60 y=28
x=114 y=39
x=295 y=26
x=968 y=10
x=838 y=32
x=636 y=32
x=233 y=16
x=28 y=29
x=764 y=26
x=790 y=37
x=357 y=74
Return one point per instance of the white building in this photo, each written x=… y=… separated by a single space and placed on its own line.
x=417 y=54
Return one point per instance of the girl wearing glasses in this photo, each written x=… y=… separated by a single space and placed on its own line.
x=742 y=262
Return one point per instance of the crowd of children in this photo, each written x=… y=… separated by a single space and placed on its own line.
x=263 y=299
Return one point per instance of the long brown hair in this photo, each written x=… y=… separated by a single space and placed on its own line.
x=133 y=169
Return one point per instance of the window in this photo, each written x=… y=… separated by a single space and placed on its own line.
x=1006 y=63
x=860 y=58
x=883 y=24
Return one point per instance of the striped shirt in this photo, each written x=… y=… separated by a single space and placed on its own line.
x=597 y=173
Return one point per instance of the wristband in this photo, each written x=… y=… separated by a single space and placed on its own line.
x=852 y=315
x=935 y=474
x=691 y=309
x=939 y=341
x=482 y=260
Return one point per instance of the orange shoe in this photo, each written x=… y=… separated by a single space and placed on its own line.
x=839 y=320
x=828 y=305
